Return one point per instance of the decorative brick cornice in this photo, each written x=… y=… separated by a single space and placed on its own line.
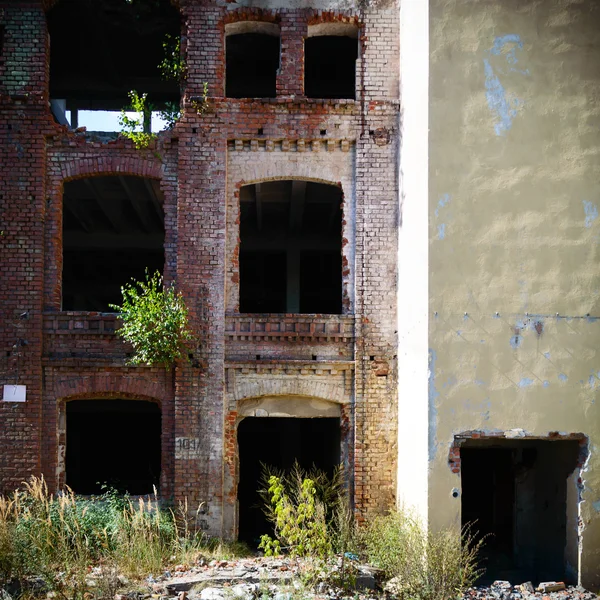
x=290 y=328
x=287 y=145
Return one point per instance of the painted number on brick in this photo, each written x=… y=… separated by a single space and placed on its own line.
x=187 y=448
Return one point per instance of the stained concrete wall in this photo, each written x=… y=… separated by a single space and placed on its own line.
x=514 y=191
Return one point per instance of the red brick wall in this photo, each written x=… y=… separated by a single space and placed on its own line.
x=84 y=359
x=23 y=121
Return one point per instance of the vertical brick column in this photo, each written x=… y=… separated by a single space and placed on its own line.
x=293 y=25
x=205 y=51
x=23 y=122
x=199 y=385
x=376 y=251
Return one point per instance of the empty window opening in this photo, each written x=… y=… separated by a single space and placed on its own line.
x=113 y=230
x=330 y=54
x=278 y=443
x=100 y=50
x=251 y=60
x=113 y=442
x=518 y=494
x=291 y=248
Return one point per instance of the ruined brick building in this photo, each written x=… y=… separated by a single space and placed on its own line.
x=409 y=288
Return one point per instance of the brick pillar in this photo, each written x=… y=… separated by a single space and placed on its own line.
x=24 y=119
x=290 y=80
x=199 y=385
x=205 y=52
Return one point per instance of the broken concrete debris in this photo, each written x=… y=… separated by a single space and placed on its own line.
x=549 y=590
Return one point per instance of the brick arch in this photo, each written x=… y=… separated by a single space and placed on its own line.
x=48 y=4
x=110 y=165
x=251 y=14
x=110 y=385
x=295 y=177
x=318 y=17
x=327 y=391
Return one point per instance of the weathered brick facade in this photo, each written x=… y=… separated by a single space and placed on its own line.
x=347 y=359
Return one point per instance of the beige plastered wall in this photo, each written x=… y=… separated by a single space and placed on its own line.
x=514 y=268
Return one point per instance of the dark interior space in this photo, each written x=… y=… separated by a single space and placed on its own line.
x=330 y=66
x=251 y=64
x=102 y=49
x=291 y=248
x=278 y=443
x=514 y=493
x=113 y=442
x=113 y=230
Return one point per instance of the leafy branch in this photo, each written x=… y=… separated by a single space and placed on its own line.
x=154 y=321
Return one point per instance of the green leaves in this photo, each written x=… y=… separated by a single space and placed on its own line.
x=133 y=128
x=299 y=520
x=155 y=321
x=172 y=67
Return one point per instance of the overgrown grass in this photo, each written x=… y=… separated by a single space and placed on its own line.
x=427 y=565
x=59 y=539
x=312 y=518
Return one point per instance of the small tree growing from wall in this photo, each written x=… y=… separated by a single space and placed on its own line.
x=154 y=321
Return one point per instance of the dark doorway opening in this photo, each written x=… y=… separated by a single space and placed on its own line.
x=516 y=494
x=251 y=64
x=279 y=442
x=113 y=230
x=113 y=442
x=100 y=50
x=291 y=248
x=330 y=66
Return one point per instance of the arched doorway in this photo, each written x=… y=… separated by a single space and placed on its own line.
x=279 y=434
x=113 y=442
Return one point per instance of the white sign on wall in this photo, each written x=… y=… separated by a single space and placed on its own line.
x=14 y=393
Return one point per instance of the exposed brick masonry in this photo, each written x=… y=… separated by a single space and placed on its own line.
x=201 y=165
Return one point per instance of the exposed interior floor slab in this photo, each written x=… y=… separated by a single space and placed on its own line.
x=115 y=443
x=278 y=443
x=89 y=41
x=516 y=495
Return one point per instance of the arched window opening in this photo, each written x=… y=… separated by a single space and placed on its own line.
x=291 y=248
x=100 y=50
x=115 y=443
x=113 y=230
x=251 y=60
x=279 y=442
x=330 y=54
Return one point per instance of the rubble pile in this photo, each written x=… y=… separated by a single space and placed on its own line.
x=548 y=590
x=256 y=578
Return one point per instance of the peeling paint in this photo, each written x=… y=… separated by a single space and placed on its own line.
x=442 y=203
x=515 y=341
x=525 y=382
x=546 y=383
x=433 y=396
x=562 y=377
x=591 y=213
x=502 y=104
x=596 y=505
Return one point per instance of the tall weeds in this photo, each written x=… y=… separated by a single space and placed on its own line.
x=59 y=538
x=425 y=565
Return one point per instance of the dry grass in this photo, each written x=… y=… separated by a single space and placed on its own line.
x=427 y=565
x=60 y=538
